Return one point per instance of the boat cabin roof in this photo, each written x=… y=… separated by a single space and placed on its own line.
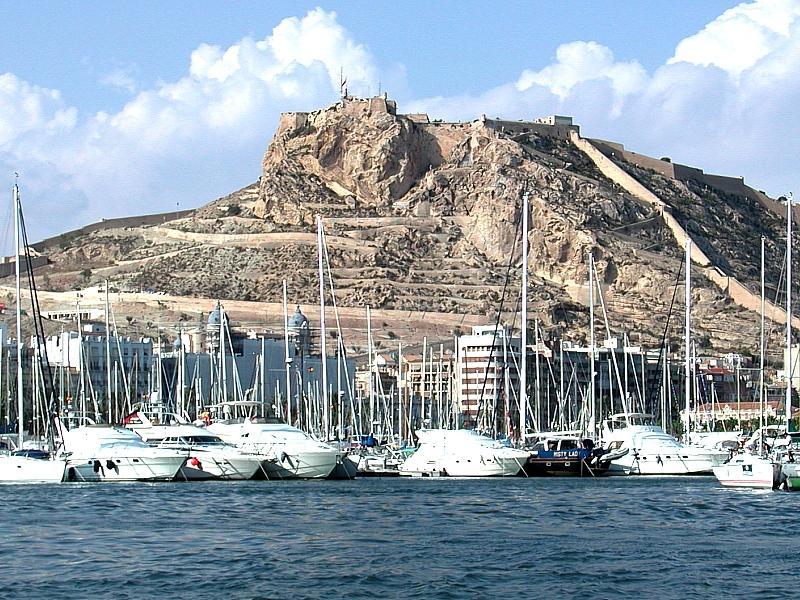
x=620 y=420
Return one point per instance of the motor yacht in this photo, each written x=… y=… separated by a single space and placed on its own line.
x=25 y=467
x=558 y=455
x=109 y=453
x=651 y=451
x=208 y=455
x=749 y=470
x=462 y=453
x=289 y=452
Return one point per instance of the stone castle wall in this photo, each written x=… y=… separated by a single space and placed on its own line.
x=137 y=221
x=730 y=185
x=738 y=292
x=520 y=127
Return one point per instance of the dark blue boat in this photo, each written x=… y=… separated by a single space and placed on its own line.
x=566 y=455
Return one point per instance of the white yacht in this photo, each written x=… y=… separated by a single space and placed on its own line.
x=651 y=451
x=107 y=453
x=288 y=451
x=462 y=453
x=208 y=456
x=749 y=470
x=22 y=468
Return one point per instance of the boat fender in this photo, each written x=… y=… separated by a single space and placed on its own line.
x=195 y=463
x=98 y=468
x=284 y=456
x=111 y=466
x=659 y=461
x=71 y=474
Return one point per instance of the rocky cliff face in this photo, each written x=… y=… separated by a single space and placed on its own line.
x=423 y=216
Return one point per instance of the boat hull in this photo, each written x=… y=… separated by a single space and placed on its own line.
x=759 y=474
x=301 y=465
x=492 y=466
x=212 y=465
x=790 y=476
x=577 y=463
x=117 y=468
x=462 y=453
x=346 y=468
x=677 y=462
x=187 y=473
x=22 y=469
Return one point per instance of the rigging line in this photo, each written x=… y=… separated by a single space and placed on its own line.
x=666 y=326
x=341 y=349
x=47 y=372
x=517 y=235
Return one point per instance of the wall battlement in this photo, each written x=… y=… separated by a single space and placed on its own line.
x=729 y=185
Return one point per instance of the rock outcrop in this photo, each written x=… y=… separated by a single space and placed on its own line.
x=425 y=216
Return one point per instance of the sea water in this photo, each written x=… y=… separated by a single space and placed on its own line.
x=400 y=538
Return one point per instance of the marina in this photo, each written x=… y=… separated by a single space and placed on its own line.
x=484 y=416
x=379 y=300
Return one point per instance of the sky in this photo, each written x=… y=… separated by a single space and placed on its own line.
x=125 y=108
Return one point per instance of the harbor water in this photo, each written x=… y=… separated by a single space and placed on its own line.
x=400 y=538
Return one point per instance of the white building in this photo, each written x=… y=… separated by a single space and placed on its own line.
x=795 y=367
x=484 y=358
x=72 y=353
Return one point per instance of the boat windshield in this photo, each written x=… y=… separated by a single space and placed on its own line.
x=204 y=440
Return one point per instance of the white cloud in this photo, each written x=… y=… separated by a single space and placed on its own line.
x=578 y=62
x=181 y=141
x=726 y=101
x=121 y=79
x=26 y=109
x=740 y=37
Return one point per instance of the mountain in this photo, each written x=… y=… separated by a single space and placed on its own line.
x=423 y=216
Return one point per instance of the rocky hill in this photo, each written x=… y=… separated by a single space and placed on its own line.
x=424 y=217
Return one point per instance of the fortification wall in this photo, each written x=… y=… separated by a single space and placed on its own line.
x=9 y=267
x=740 y=294
x=138 y=221
x=519 y=127
x=290 y=121
x=729 y=185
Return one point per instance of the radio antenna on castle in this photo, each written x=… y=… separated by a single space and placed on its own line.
x=342 y=83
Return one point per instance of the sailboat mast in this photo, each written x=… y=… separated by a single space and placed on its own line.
x=789 y=362
x=371 y=379
x=288 y=357
x=323 y=352
x=108 y=362
x=593 y=408
x=687 y=338
x=223 y=382
x=761 y=359
x=400 y=387
x=523 y=371
x=20 y=426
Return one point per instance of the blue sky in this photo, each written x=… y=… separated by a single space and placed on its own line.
x=110 y=109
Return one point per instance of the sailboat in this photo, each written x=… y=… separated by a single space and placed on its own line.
x=22 y=466
x=465 y=452
x=652 y=451
x=754 y=468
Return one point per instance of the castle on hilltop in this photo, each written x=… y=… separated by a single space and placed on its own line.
x=557 y=126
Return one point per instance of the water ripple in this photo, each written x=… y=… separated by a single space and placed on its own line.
x=630 y=537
